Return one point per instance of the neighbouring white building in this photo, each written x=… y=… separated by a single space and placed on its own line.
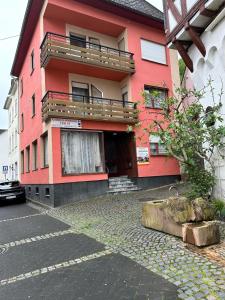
x=196 y=29
x=11 y=104
x=4 y=154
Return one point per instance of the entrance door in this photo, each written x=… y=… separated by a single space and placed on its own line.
x=120 y=154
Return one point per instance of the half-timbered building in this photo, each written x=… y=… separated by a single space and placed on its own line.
x=196 y=28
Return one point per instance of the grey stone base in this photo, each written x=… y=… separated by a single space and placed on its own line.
x=64 y=193
x=155 y=181
x=60 y=194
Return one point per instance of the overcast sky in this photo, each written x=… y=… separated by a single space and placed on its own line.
x=11 y=17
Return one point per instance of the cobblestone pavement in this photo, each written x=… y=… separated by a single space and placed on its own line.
x=44 y=258
x=115 y=221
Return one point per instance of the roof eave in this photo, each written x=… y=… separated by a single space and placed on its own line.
x=32 y=12
x=31 y=17
x=122 y=9
x=161 y=20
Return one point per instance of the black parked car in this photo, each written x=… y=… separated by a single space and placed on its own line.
x=11 y=191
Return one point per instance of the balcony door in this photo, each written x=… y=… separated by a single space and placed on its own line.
x=83 y=92
x=121 y=44
x=78 y=40
x=96 y=94
x=80 y=92
x=94 y=43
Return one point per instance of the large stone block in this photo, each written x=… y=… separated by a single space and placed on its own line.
x=201 y=234
x=203 y=210
x=155 y=216
x=168 y=215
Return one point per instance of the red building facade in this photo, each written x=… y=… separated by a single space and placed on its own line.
x=82 y=66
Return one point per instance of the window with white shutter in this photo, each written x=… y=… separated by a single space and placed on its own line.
x=153 y=52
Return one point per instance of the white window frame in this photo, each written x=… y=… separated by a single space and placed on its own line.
x=157 y=141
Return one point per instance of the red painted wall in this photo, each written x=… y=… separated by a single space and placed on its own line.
x=152 y=74
x=57 y=14
x=32 y=125
x=146 y=73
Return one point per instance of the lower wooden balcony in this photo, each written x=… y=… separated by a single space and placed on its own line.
x=71 y=106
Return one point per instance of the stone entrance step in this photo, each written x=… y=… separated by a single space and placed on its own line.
x=121 y=185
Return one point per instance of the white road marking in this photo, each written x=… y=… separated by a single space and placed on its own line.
x=24 y=217
x=48 y=269
x=35 y=239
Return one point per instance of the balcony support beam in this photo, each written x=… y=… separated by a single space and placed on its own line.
x=183 y=53
x=196 y=39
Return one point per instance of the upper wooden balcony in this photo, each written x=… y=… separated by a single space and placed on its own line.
x=64 y=48
x=71 y=106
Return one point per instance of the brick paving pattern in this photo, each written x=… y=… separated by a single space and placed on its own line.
x=115 y=221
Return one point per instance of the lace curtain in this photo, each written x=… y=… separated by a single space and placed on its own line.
x=81 y=152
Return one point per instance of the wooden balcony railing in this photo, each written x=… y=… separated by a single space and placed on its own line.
x=64 y=47
x=71 y=106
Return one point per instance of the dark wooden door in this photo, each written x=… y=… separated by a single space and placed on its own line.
x=120 y=154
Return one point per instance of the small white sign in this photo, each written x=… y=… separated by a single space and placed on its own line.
x=64 y=123
x=142 y=155
x=5 y=169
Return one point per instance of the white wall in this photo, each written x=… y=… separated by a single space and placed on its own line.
x=13 y=133
x=212 y=66
x=4 y=158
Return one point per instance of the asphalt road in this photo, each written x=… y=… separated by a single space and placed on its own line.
x=42 y=258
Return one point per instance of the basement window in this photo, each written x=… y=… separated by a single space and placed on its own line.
x=47 y=192
x=37 y=191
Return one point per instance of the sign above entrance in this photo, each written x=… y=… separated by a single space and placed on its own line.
x=142 y=155
x=64 y=123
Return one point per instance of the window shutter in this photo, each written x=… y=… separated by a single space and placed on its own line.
x=153 y=51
